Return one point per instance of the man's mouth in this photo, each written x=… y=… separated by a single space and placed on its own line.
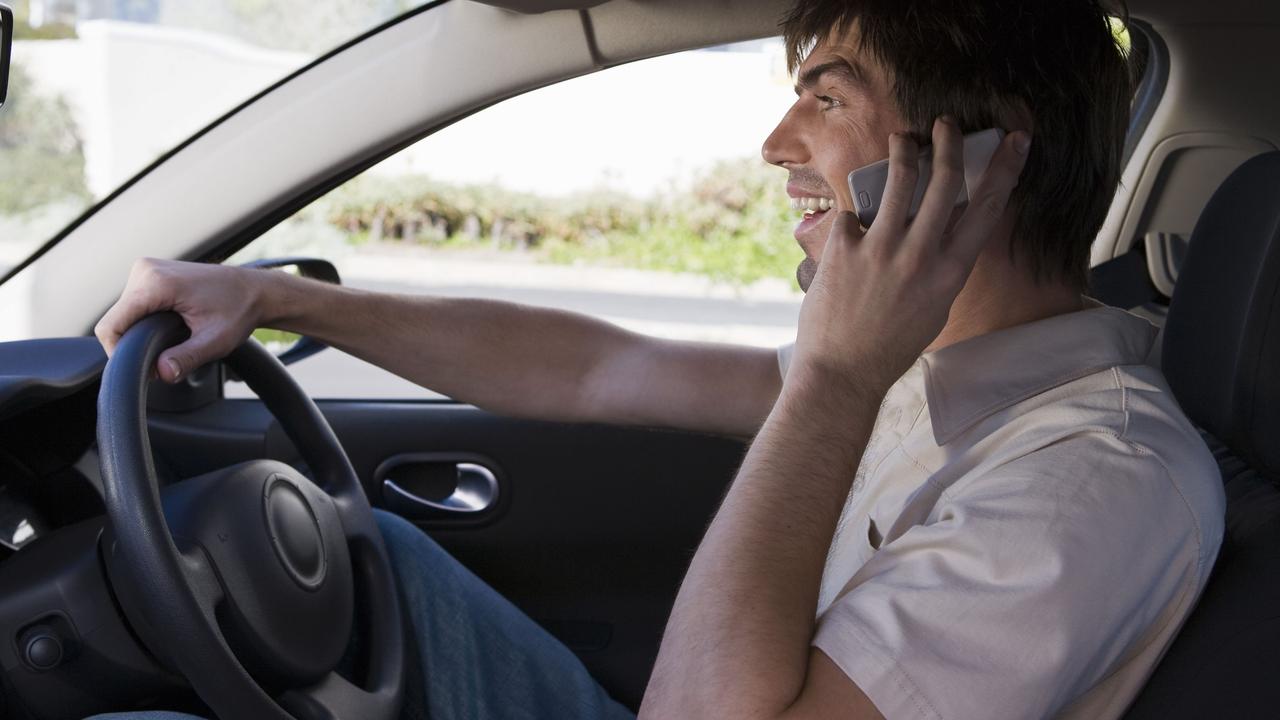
x=812 y=204
x=814 y=208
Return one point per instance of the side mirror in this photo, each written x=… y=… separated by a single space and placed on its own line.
x=6 y=44
x=314 y=268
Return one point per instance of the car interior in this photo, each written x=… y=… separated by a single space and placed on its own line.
x=587 y=528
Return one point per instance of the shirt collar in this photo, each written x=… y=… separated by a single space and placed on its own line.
x=972 y=379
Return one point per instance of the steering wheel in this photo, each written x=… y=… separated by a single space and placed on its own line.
x=248 y=580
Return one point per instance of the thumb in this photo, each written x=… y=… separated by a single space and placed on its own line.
x=845 y=230
x=183 y=358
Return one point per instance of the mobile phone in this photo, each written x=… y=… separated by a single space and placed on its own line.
x=866 y=184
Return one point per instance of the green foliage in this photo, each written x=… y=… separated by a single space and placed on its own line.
x=22 y=29
x=733 y=222
x=40 y=149
x=50 y=31
x=276 y=340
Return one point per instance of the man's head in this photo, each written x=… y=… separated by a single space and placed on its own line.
x=867 y=68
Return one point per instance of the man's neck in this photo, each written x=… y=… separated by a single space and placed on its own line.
x=999 y=295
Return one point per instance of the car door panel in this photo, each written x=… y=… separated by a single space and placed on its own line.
x=593 y=532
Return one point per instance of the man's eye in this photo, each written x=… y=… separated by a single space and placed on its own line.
x=827 y=101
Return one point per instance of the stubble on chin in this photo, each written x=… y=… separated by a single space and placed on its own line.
x=805 y=272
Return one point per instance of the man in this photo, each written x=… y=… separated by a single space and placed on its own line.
x=967 y=496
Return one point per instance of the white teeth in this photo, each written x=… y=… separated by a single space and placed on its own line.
x=812 y=204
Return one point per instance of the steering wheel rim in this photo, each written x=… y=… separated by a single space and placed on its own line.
x=198 y=602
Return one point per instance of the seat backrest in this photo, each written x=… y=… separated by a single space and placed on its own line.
x=1221 y=355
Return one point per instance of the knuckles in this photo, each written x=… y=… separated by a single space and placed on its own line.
x=146 y=272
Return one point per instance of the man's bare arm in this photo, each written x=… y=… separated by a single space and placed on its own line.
x=511 y=359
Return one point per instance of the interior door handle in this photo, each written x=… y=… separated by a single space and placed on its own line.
x=475 y=491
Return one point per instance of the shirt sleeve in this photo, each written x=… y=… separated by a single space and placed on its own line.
x=1033 y=584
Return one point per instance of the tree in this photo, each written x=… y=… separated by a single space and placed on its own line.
x=41 y=153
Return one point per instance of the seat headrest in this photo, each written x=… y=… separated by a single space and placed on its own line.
x=1221 y=350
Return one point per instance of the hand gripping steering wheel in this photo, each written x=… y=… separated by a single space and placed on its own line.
x=248 y=580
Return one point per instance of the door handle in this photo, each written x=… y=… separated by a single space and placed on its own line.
x=474 y=490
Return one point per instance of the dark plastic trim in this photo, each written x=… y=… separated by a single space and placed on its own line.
x=6 y=45
x=37 y=371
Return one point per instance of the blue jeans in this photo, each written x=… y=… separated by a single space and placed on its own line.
x=479 y=656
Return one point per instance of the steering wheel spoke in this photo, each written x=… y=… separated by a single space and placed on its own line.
x=245 y=578
x=203 y=581
x=334 y=697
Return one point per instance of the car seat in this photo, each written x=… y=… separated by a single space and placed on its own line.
x=1220 y=354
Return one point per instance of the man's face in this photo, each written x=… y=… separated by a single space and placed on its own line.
x=841 y=121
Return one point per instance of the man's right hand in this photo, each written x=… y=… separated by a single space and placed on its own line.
x=220 y=304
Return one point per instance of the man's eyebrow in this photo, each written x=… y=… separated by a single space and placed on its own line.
x=839 y=67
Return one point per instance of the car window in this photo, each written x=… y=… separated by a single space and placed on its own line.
x=636 y=194
x=99 y=90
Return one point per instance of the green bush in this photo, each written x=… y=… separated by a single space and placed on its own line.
x=22 y=29
x=733 y=221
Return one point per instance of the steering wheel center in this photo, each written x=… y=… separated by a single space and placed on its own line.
x=295 y=532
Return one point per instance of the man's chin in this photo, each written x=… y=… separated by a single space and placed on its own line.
x=805 y=272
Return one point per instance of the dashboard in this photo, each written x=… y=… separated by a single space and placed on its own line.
x=49 y=475
x=65 y=651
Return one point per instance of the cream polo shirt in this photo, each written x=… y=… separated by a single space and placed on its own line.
x=1030 y=525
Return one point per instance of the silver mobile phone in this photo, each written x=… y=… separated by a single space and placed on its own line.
x=866 y=184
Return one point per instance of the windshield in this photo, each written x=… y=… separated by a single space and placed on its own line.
x=101 y=89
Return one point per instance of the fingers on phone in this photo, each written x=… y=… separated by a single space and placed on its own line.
x=900 y=187
x=989 y=200
x=945 y=182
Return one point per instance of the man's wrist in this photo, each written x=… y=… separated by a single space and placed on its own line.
x=826 y=398
x=271 y=297
x=841 y=387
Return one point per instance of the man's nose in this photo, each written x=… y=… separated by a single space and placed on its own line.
x=784 y=145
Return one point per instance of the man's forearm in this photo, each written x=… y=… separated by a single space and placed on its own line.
x=737 y=643
x=511 y=359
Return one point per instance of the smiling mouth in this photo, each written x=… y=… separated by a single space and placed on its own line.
x=812 y=204
x=814 y=208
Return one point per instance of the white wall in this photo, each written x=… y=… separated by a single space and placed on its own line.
x=138 y=90
x=630 y=128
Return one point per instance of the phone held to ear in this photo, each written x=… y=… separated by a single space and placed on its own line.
x=866 y=184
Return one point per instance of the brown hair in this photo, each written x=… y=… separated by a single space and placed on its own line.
x=977 y=60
